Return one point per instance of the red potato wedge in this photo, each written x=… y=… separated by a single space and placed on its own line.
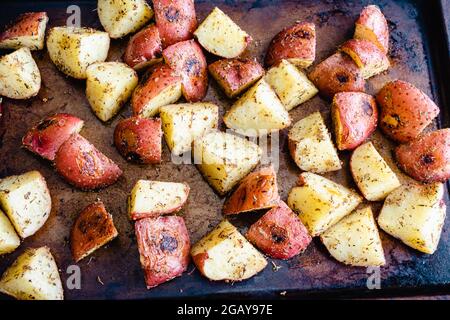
x=160 y=87
x=144 y=48
x=279 y=233
x=176 y=20
x=296 y=43
x=49 y=134
x=426 y=159
x=355 y=117
x=337 y=73
x=259 y=190
x=404 y=110
x=28 y=30
x=164 y=247
x=93 y=228
x=188 y=61
x=372 y=25
x=236 y=75
x=83 y=166
x=139 y=140
x=369 y=58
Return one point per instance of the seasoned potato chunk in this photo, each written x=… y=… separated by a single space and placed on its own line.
x=144 y=48
x=28 y=30
x=9 y=240
x=372 y=26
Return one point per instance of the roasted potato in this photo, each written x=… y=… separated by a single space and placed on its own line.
x=9 y=240
x=220 y=35
x=415 y=214
x=19 y=74
x=296 y=43
x=290 y=84
x=28 y=30
x=257 y=112
x=33 y=276
x=164 y=247
x=373 y=176
x=372 y=25
x=225 y=254
x=73 y=49
x=121 y=17
x=27 y=202
x=426 y=159
x=83 y=166
x=320 y=202
x=144 y=48
x=109 y=85
x=49 y=134
x=93 y=228
x=224 y=159
x=176 y=20
x=355 y=118
x=369 y=58
x=236 y=75
x=311 y=147
x=139 y=140
x=160 y=87
x=279 y=233
x=404 y=110
x=258 y=190
x=187 y=60
x=338 y=73
x=355 y=240
x=186 y=122
x=150 y=199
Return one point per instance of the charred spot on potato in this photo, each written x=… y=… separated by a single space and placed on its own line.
x=192 y=66
x=278 y=234
x=367 y=108
x=427 y=159
x=45 y=124
x=134 y=156
x=168 y=243
x=303 y=34
x=172 y=14
x=342 y=78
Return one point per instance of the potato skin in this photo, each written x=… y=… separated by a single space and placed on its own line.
x=404 y=110
x=236 y=75
x=372 y=19
x=426 y=159
x=338 y=73
x=84 y=166
x=294 y=42
x=139 y=140
x=49 y=134
x=144 y=48
x=279 y=233
x=188 y=61
x=259 y=190
x=164 y=247
x=355 y=118
x=29 y=24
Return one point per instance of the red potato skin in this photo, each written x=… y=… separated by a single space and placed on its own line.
x=404 y=110
x=367 y=51
x=49 y=134
x=236 y=75
x=159 y=77
x=92 y=229
x=259 y=190
x=83 y=166
x=139 y=140
x=296 y=41
x=25 y=24
x=338 y=73
x=143 y=48
x=176 y=20
x=426 y=159
x=372 y=17
x=357 y=113
x=164 y=248
x=188 y=61
x=279 y=233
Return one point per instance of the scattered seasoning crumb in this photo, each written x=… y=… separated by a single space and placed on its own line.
x=191 y=272
x=90 y=259
x=99 y=280
x=44 y=99
x=275 y=267
x=283 y=293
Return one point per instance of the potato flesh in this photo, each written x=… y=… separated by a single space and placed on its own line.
x=33 y=276
x=355 y=240
x=184 y=123
x=321 y=203
x=311 y=145
x=27 y=202
x=229 y=255
x=290 y=84
x=9 y=240
x=415 y=214
x=109 y=85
